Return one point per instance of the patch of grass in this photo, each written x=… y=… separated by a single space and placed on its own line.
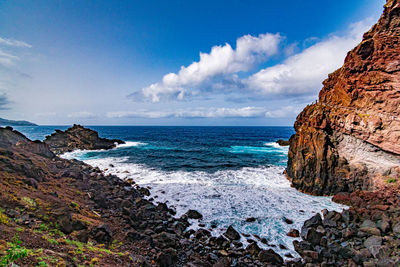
x=43 y=227
x=19 y=229
x=391 y=180
x=50 y=240
x=42 y=264
x=14 y=252
x=74 y=243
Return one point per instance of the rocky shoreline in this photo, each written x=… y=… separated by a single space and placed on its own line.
x=72 y=210
x=73 y=214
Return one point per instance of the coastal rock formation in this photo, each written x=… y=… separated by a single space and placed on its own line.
x=59 y=212
x=78 y=137
x=350 y=138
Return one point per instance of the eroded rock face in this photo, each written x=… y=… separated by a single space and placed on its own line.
x=78 y=137
x=350 y=138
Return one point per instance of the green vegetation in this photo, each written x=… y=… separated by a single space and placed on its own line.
x=391 y=180
x=29 y=202
x=14 y=252
x=3 y=217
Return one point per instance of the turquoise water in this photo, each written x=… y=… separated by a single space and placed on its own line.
x=226 y=173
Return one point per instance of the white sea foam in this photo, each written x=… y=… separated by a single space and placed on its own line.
x=130 y=144
x=228 y=197
x=80 y=153
x=273 y=144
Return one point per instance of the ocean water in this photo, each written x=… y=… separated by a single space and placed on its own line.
x=226 y=173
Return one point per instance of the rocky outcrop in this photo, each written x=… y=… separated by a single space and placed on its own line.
x=78 y=137
x=350 y=138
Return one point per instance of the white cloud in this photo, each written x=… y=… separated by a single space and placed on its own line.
x=8 y=58
x=222 y=60
x=284 y=112
x=299 y=74
x=81 y=115
x=244 y=112
x=12 y=42
x=304 y=72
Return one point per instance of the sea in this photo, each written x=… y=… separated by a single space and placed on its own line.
x=228 y=174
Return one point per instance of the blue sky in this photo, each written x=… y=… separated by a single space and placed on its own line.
x=139 y=62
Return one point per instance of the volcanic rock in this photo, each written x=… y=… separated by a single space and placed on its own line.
x=349 y=139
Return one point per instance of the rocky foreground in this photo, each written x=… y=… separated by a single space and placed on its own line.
x=58 y=212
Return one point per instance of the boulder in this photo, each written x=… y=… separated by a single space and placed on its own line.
x=232 y=234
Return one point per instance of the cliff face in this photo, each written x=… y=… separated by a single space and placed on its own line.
x=78 y=137
x=350 y=138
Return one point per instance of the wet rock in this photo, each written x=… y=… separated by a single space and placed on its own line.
x=293 y=233
x=313 y=221
x=194 y=214
x=253 y=249
x=288 y=221
x=311 y=235
x=232 y=234
x=283 y=142
x=251 y=219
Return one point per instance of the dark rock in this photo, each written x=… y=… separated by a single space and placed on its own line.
x=288 y=221
x=311 y=235
x=102 y=234
x=253 y=249
x=313 y=221
x=270 y=256
x=283 y=142
x=232 y=234
x=194 y=214
x=251 y=219
x=78 y=137
x=167 y=257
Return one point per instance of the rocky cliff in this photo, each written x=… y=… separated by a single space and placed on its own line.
x=350 y=138
x=78 y=137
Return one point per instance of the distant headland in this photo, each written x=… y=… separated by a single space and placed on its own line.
x=5 y=122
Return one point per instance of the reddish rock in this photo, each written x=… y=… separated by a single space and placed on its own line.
x=349 y=139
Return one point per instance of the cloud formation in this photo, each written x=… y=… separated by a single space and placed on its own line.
x=216 y=73
x=81 y=115
x=8 y=57
x=304 y=72
x=243 y=112
x=4 y=102
x=12 y=42
x=222 y=60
